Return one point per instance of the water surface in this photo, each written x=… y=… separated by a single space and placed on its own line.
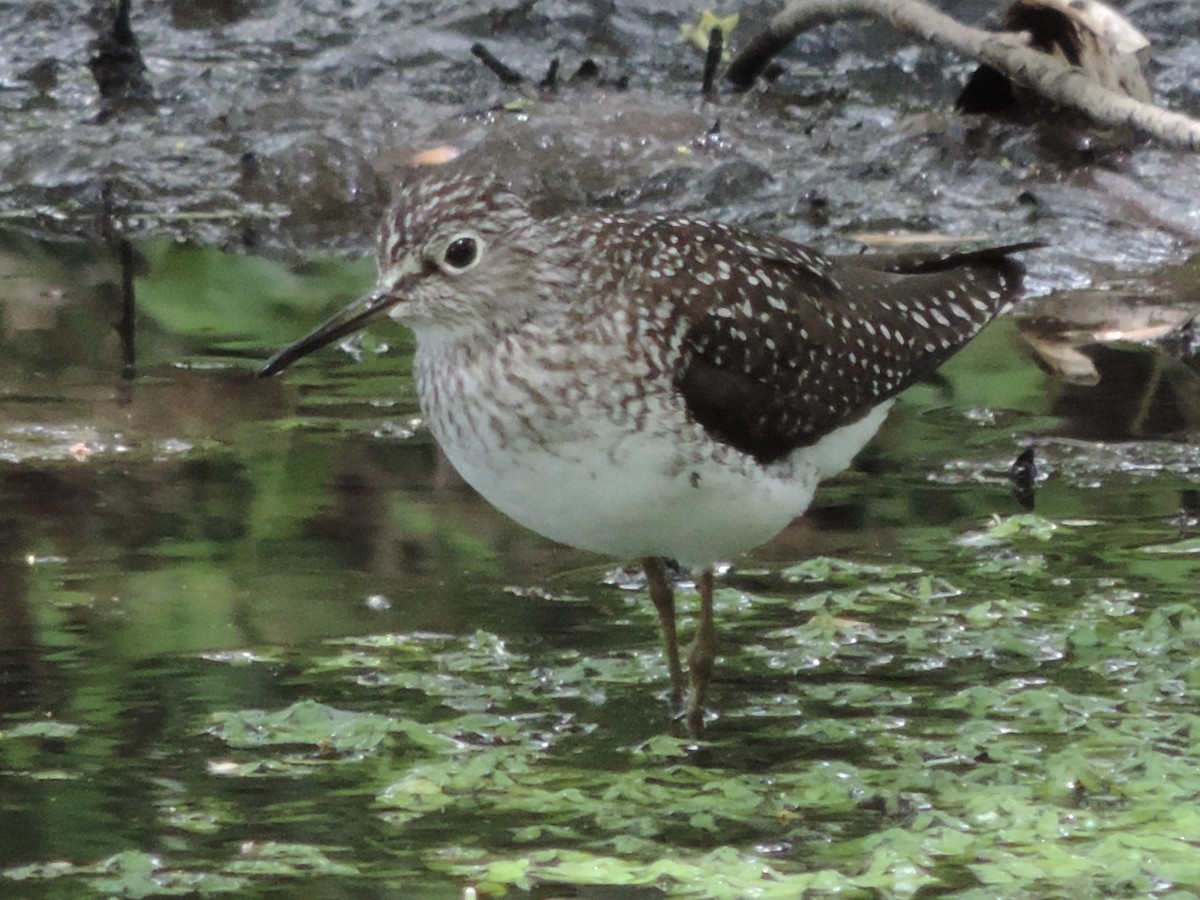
x=257 y=638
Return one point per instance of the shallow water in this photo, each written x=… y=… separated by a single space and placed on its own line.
x=256 y=637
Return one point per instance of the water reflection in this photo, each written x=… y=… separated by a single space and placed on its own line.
x=1125 y=362
x=179 y=537
x=150 y=480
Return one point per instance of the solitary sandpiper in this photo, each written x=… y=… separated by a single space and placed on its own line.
x=654 y=386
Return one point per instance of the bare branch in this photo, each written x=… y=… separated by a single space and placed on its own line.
x=1052 y=79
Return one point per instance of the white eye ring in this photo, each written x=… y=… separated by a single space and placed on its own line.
x=462 y=253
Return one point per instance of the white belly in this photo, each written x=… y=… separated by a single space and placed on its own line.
x=637 y=502
x=643 y=494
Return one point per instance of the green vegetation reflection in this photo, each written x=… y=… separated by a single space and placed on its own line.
x=274 y=648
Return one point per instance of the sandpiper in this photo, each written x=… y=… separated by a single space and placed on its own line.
x=654 y=386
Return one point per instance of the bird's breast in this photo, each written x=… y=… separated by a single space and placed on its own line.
x=610 y=464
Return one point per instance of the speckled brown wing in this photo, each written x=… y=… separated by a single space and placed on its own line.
x=799 y=345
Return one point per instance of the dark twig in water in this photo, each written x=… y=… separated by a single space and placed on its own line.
x=105 y=219
x=588 y=71
x=712 y=59
x=550 y=82
x=1049 y=77
x=118 y=67
x=1023 y=475
x=127 y=327
x=499 y=69
x=1189 y=512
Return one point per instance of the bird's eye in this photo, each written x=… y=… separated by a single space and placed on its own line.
x=461 y=253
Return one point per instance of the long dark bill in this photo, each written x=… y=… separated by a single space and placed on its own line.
x=349 y=320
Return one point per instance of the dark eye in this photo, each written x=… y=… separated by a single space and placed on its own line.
x=461 y=253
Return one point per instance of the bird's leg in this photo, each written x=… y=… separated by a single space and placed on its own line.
x=703 y=652
x=662 y=595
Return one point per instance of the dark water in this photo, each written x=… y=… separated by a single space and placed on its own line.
x=257 y=638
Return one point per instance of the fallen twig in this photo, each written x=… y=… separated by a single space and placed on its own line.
x=1052 y=79
x=500 y=70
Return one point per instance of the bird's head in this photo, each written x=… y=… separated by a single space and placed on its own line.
x=459 y=255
